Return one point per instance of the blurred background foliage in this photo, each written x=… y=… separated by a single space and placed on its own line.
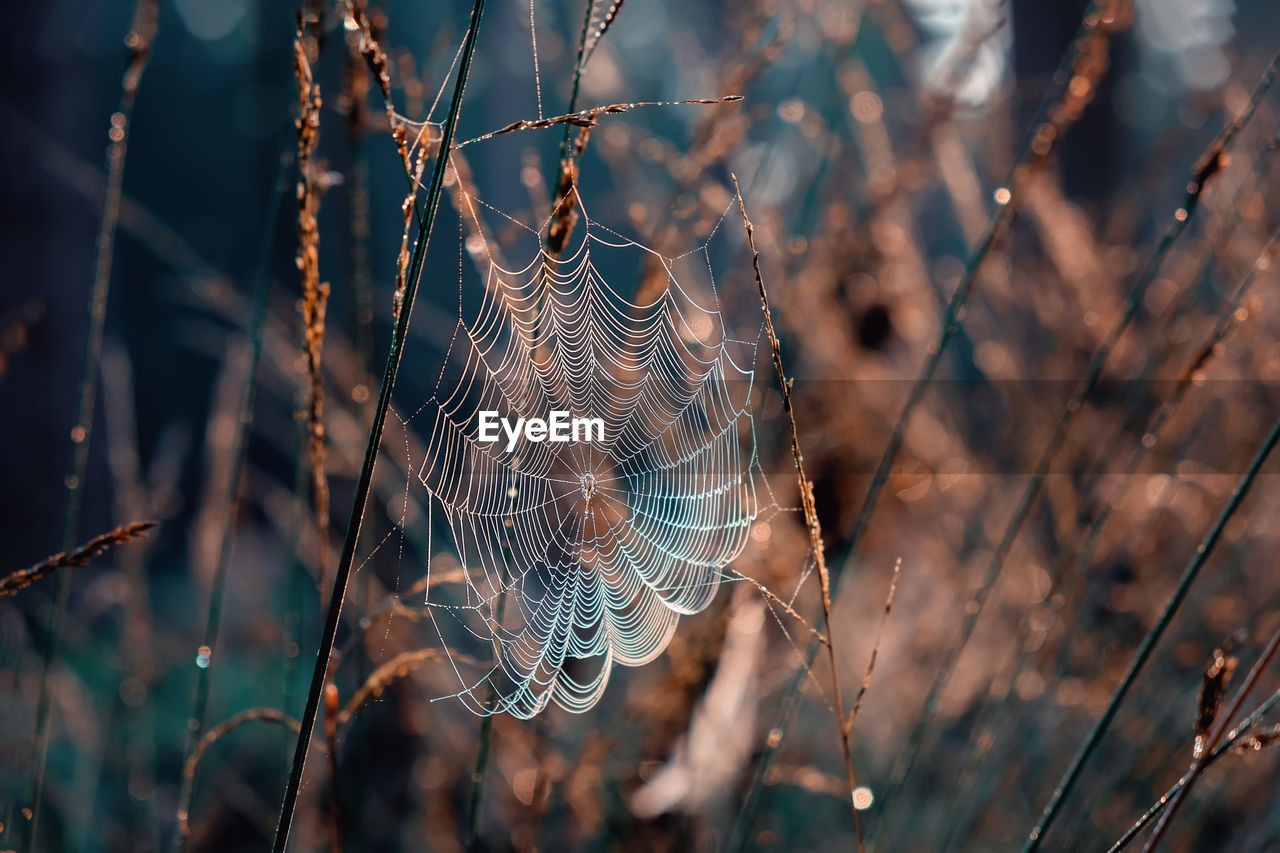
x=873 y=143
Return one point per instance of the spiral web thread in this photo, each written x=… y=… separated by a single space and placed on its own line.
x=577 y=557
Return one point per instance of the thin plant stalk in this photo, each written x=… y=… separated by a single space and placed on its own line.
x=270 y=715
x=875 y=648
x=239 y=452
x=82 y=556
x=1212 y=159
x=1231 y=740
x=139 y=40
x=1198 y=763
x=1189 y=574
x=810 y=516
x=486 y=725
x=578 y=68
x=315 y=293
x=472 y=840
x=314 y=303
x=1081 y=560
x=365 y=480
x=331 y=705
x=1030 y=154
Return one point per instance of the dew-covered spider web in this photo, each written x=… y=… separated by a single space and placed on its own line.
x=551 y=564
x=569 y=559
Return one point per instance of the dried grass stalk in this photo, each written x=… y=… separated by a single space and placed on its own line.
x=73 y=559
x=1220 y=732
x=591 y=117
x=407 y=209
x=393 y=670
x=315 y=294
x=331 y=703
x=139 y=41
x=1217 y=678
x=809 y=506
x=875 y=649
x=268 y=715
x=376 y=58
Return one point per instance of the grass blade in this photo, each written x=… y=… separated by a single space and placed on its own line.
x=1153 y=636
x=139 y=40
x=365 y=481
x=1213 y=159
x=239 y=451
x=1207 y=167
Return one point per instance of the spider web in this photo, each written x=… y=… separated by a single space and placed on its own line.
x=581 y=556
x=570 y=559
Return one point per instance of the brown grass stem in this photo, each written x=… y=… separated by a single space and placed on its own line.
x=591 y=117
x=1233 y=739
x=875 y=648
x=315 y=293
x=1198 y=762
x=393 y=670
x=367 y=45
x=331 y=704
x=816 y=548
x=226 y=727
x=75 y=558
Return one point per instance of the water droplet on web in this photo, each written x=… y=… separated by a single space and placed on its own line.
x=202 y=656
